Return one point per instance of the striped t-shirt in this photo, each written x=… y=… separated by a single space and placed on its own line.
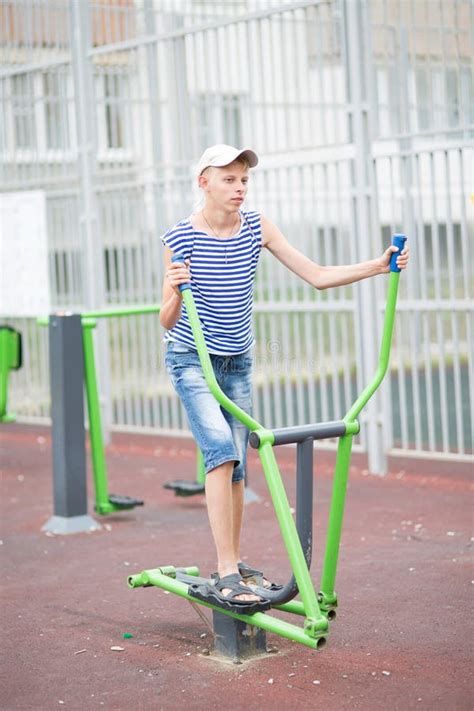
x=222 y=279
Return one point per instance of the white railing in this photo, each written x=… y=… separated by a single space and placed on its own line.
x=363 y=116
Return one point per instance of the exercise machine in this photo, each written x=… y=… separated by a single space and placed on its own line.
x=317 y=608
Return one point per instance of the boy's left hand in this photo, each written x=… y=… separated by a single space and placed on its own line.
x=402 y=259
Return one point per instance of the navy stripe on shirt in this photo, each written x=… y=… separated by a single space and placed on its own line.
x=222 y=279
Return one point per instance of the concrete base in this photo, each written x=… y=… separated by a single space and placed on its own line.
x=237 y=640
x=62 y=525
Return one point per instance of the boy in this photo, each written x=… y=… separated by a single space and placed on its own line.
x=221 y=245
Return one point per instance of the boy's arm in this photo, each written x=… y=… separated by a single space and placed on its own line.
x=322 y=277
x=171 y=299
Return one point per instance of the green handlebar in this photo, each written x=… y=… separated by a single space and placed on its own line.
x=384 y=356
x=112 y=312
x=207 y=368
x=206 y=364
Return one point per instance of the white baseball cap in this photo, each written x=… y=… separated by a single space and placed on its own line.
x=221 y=155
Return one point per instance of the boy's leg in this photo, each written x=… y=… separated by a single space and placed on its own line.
x=237 y=385
x=238 y=492
x=220 y=508
x=214 y=437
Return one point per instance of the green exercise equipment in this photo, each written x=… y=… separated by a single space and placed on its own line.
x=11 y=358
x=317 y=608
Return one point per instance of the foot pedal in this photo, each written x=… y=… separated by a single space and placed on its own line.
x=184 y=487
x=124 y=502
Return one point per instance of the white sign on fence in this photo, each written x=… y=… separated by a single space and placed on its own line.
x=24 y=274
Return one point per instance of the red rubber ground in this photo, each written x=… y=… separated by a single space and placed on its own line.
x=403 y=635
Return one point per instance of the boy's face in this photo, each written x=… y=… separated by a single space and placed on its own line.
x=225 y=187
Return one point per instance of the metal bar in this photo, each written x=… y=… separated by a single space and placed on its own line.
x=433 y=456
x=304 y=520
x=336 y=513
x=93 y=277
x=200 y=469
x=448 y=305
x=35 y=67
x=355 y=25
x=308 y=336
x=384 y=350
x=176 y=34
x=112 y=312
x=291 y=435
x=425 y=335
x=402 y=385
x=259 y=619
x=208 y=370
x=380 y=149
x=67 y=414
x=68 y=436
x=290 y=536
x=296 y=607
x=99 y=467
x=304 y=496
x=451 y=253
x=435 y=233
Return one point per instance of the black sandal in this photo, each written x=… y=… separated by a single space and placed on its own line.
x=256 y=577
x=212 y=593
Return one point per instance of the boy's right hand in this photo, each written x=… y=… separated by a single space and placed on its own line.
x=178 y=273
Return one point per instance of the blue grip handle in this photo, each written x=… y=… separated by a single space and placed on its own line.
x=180 y=258
x=397 y=241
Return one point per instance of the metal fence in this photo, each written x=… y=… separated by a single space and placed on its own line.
x=363 y=115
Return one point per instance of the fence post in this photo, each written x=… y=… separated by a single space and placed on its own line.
x=86 y=121
x=179 y=104
x=156 y=182
x=365 y=232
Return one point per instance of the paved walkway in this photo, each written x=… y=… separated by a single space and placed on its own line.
x=402 y=639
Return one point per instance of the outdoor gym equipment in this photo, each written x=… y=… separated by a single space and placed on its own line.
x=317 y=609
x=10 y=359
x=105 y=503
x=186 y=487
x=67 y=487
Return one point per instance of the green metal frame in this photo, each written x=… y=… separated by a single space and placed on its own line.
x=165 y=578
x=316 y=609
x=10 y=359
x=200 y=470
x=103 y=504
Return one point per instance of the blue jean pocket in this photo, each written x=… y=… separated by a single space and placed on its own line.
x=177 y=347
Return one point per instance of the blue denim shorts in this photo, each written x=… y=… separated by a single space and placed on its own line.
x=220 y=437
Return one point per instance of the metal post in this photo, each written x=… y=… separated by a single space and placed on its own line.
x=85 y=105
x=154 y=189
x=68 y=435
x=304 y=495
x=356 y=26
x=406 y=177
x=179 y=103
x=236 y=639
